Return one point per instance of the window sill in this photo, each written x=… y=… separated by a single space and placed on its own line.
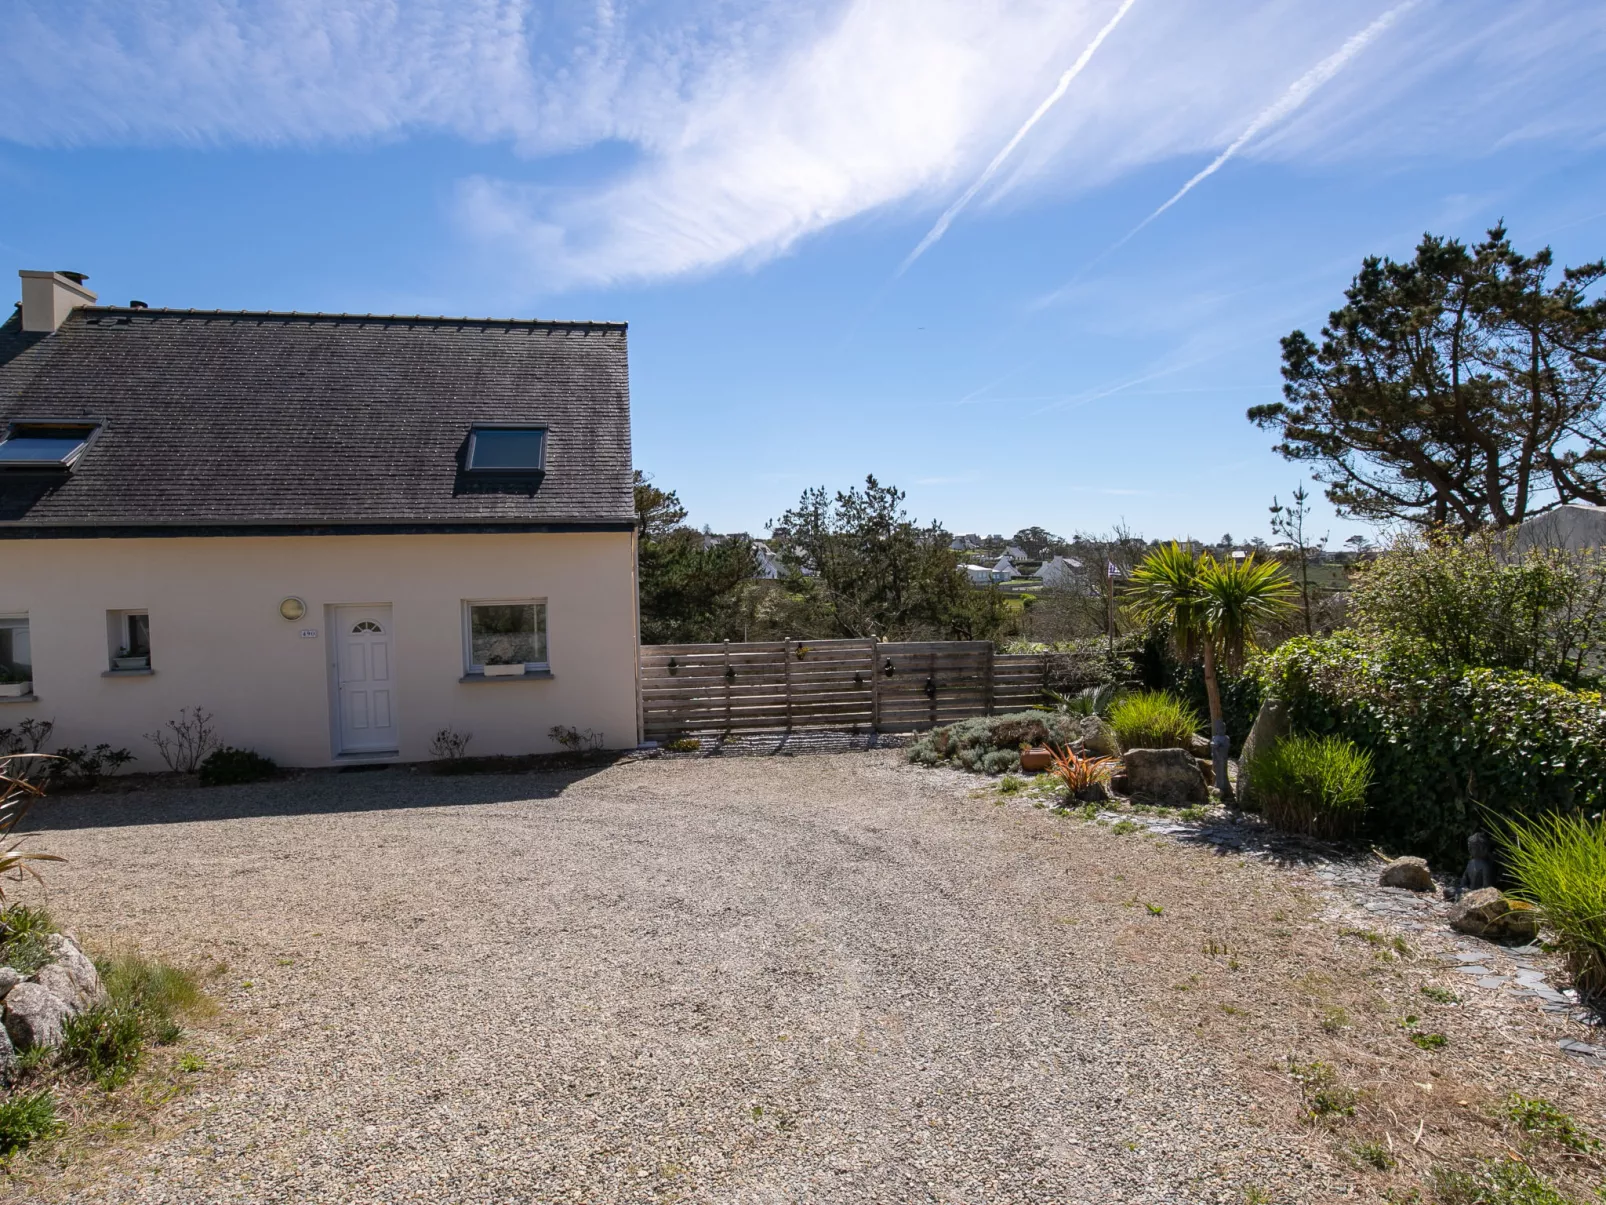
x=526 y=676
x=126 y=673
x=19 y=698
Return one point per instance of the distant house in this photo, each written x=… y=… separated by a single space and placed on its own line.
x=979 y=575
x=1004 y=570
x=1573 y=526
x=769 y=565
x=1016 y=553
x=341 y=534
x=967 y=543
x=1061 y=573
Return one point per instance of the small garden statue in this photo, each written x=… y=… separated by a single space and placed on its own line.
x=1480 y=868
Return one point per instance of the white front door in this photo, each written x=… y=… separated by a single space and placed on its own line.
x=365 y=681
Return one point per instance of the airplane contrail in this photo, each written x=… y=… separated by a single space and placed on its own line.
x=1297 y=94
x=953 y=211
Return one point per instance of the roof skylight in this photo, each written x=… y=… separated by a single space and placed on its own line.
x=44 y=445
x=506 y=449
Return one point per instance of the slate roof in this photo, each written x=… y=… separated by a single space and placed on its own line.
x=314 y=421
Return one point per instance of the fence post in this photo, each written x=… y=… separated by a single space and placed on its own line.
x=729 y=678
x=786 y=658
x=990 y=652
x=875 y=685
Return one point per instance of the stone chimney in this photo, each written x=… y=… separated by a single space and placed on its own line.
x=48 y=297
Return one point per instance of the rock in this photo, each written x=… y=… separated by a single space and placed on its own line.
x=1271 y=725
x=1118 y=783
x=1488 y=914
x=1207 y=769
x=1199 y=746
x=1098 y=738
x=9 y=978
x=1410 y=873
x=1169 y=776
x=8 y=1058
x=34 y=1016
x=71 y=976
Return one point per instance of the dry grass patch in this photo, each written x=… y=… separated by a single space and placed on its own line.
x=1393 y=1075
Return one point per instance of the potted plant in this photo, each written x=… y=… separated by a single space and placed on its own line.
x=501 y=667
x=13 y=685
x=127 y=660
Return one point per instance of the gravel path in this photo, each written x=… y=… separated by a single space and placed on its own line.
x=825 y=979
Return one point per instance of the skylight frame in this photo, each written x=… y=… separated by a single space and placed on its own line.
x=474 y=432
x=17 y=429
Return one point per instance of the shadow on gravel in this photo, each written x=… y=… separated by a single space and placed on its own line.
x=305 y=793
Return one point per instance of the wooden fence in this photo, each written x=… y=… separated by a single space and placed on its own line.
x=853 y=685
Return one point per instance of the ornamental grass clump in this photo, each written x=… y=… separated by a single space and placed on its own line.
x=1154 y=719
x=1315 y=785
x=1559 y=863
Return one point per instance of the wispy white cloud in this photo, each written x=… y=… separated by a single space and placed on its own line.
x=1297 y=94
x=754 y=124
x=953 y=211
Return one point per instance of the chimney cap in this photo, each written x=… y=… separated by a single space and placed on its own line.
x=77 y=278
x=137 y=304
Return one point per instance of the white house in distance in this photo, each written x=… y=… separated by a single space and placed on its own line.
x=1573 y=527
x=338 y=533
x=1062 y=572
x=1004 y=570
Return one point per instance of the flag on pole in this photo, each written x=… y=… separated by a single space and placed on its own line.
x=1110 y=570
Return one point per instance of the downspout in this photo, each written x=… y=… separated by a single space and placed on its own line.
x=635 y=606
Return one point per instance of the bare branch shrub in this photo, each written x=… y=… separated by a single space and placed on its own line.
x=185 y=742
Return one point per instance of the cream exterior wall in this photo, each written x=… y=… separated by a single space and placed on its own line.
x=218 y=640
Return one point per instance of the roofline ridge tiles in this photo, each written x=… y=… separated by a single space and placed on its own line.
x=320 y=315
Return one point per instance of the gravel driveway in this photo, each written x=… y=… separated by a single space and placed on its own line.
x=832 y=979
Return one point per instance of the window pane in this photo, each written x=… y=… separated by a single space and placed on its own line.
x=38 y=451
x=507 y=633
x=16 y=657
x=139 y=635
x=506 y=449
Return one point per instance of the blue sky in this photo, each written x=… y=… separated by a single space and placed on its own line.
x=1119 y=207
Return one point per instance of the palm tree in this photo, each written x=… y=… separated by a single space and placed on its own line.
x=1212 y=608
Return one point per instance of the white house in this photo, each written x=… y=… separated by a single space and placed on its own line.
x=1003 y=570
x=1016 y=553
x=980 y=575
x=340 y=534
x=1062 y=572
x=769 y=565
x=1573 y=526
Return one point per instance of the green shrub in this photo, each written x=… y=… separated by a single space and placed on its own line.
x=1494 y=1182
x=228 y=766
x=1315 y=785
x=991 y=744
x=1153 y=719
x=1241 y=696
x=153 y=988
x=24 y=1119
x=1559 y=862
x=106 y=1042
x=1447 y=744
x=1480 y=601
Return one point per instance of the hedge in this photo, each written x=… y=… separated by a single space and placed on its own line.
x=1445 y=742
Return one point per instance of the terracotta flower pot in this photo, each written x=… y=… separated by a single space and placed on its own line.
x=1037 y=759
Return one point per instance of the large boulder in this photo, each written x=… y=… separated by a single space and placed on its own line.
x=34 y=1016
x=1271 y=726
x=1097 y=737
x=9 y=978
x=70 y=975
x=1488 y=914
x=1169 y=776
x=1411 y=873
x=8 y=1058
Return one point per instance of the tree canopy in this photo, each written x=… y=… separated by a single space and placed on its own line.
x=689 y=581
x=866 y=569
x=1461 y=388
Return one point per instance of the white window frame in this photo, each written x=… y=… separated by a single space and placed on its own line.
x=474 y=668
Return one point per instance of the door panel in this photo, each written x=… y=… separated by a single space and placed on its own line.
x=366 y=714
